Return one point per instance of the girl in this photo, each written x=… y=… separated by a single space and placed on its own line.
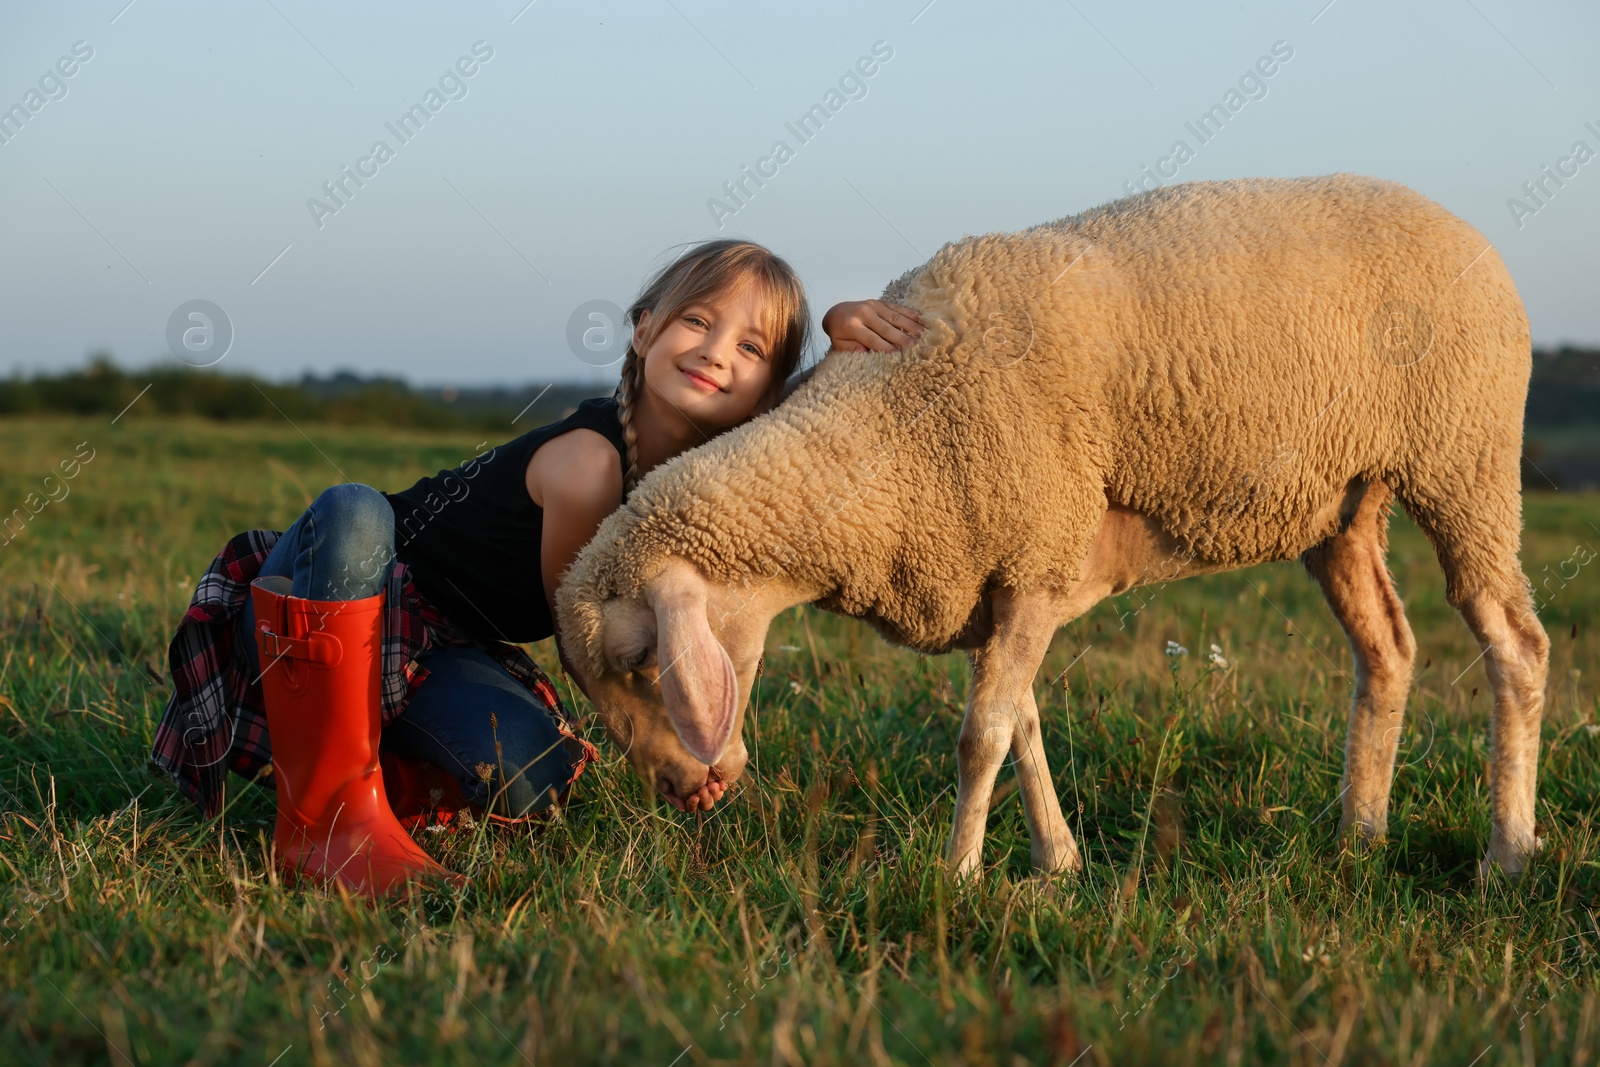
x=372 y=604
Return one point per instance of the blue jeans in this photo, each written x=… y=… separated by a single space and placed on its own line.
x=469 y=716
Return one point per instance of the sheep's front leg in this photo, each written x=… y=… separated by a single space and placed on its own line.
x=1054 y=849
x=985 y=736
x=1001 y=716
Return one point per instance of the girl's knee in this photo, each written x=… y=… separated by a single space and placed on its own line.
x=355 y=509
x=354 y=530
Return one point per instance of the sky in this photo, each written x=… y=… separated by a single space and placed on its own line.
x=185 y=156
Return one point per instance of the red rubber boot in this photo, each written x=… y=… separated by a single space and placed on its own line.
x=320 y=682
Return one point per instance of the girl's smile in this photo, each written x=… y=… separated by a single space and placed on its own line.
x=702 y=381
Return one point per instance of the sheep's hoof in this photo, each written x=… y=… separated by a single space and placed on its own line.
x=1363 y=835
x=1057 y=860
x=1063 y=880
x=967 y=870
x=1511 y=856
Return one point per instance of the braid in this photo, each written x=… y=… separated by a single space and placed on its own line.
x=627 y=387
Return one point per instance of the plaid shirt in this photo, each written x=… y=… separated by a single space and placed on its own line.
x=216 y=720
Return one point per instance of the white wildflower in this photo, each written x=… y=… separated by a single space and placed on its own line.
x=1217 y=659
x=1175 y=650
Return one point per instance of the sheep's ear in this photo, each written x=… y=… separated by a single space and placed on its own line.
x=698 y=684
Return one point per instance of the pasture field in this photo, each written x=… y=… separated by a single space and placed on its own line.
x=809 y=921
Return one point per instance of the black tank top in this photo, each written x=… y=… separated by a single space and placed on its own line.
x=471 y=535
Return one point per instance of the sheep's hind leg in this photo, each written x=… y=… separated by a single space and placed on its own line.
x=1350 y=569
x=1002 y=715
x=1476 y=534
x=1516 y=656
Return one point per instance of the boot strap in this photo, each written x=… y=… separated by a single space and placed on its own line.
x=322 y=649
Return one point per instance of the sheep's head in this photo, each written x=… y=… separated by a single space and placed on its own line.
x=669 y=666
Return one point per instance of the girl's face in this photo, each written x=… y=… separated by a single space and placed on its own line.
x=713 y=362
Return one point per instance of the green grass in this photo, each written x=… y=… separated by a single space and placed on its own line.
x=810 y=921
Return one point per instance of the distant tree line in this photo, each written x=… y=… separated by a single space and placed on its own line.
x=103 y=388
x=1565 y=390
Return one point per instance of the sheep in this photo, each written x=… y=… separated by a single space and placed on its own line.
x=1192 y=379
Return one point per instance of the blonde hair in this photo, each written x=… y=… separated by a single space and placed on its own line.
x=708 y=271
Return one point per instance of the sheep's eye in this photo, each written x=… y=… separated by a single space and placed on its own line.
x=636 y=660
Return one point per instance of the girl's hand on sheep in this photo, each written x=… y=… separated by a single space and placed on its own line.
x=871 y=325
